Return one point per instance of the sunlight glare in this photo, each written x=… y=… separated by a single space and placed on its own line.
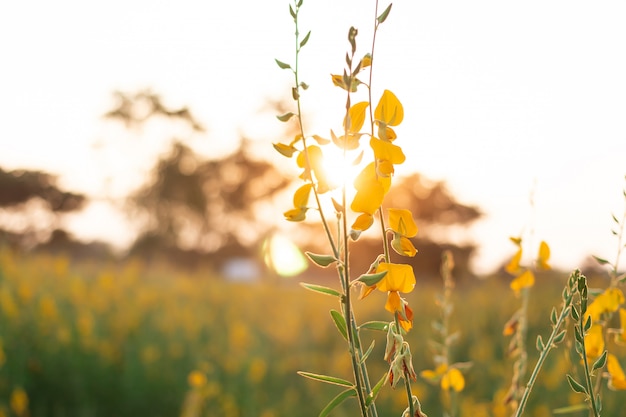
x=340 y=171
x=283 y=256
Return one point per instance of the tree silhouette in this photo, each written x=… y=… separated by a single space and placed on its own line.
x=193 y=207
x=22 y=194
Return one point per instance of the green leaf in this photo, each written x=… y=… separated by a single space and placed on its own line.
x=321 y=289
x=587 y=324
x=285 y=117
x=284 y=150
x=553 y=316
x=372 y=396
x=336 y=401
x=321 y=260
x=305 y=40
x=383 y=15
x=600 y=362
x=577 y=387
x=570 y=409
x=291 y=12
x=375 y=325
x=599 y=260
x=340 y=322
x=559 y=337
x=539 y=344
x=372 y=279
x=368 y=351
x=575 y=314
x=327 y=379
x=282 y=65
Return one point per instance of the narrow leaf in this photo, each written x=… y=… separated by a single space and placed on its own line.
x=601 y=261
x=553 y=316
x=340 y=322
x=291 y=12
x=375 y=325
x=368 y=351
x=539 y=344
x=372 y=396
x=282 y=65
x=383 y=15
x=570 y=409
x=336 y=401
x=305 y=40
x=600 y=362
x=321 y=289
x=559 y=337
x=577 y=387
x=327 y=379
x=285 y=117
x=372 y=279
x=321 y=260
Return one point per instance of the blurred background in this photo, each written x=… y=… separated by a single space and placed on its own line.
x=141 y=202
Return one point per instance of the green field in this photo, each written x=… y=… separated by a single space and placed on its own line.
x=96 y=339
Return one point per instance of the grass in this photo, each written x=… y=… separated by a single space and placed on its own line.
x=104 y=339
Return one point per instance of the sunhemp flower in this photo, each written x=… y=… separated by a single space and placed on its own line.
x=617 y=380
x=403 y=226
x=594 y=342
x=525 y=278
x=607 y=302
x=399 y=279
x=447 y=377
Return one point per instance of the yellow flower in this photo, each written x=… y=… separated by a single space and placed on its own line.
x=453 y=379
x=618 y=379
x=371 y=190
x=363 y=222
x=401 y=221
x=315 y=163
x=403 y=246
x=399 y=278
x=607 y=302
x=353 y=122
x=447 y=377
x=543 y=256
x=19 y=402
x=300 y=202
x=594 y=342
x=196 y=379
x=389 y=109
x=524 y=280
x=387 y=151
x=389 y=112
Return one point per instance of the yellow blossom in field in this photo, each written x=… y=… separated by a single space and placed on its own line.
x=594 y=342
x=513 y=267
x=196 y=379
x=524 y=280
x=403 y=246
x=607 y=302
x=543 y=256
x=447 y=377
x=19 y=402
x=617 y=379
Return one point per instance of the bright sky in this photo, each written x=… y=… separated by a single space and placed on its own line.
x=498 y=96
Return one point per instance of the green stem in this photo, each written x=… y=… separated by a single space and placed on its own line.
x=565 y=311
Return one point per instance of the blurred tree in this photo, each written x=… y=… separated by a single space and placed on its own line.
x=193 y=208
x=31 y=206
x=203 y=205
